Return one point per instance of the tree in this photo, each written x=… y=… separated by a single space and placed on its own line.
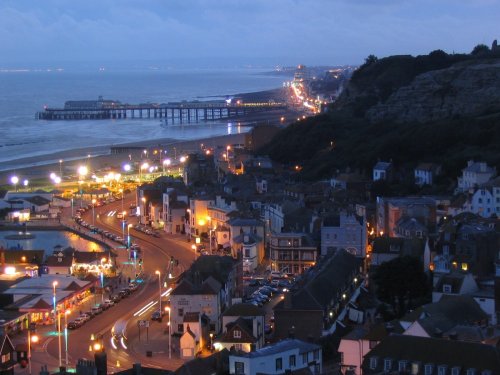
x=371 y=59
x=400 y=281
x=480 y=49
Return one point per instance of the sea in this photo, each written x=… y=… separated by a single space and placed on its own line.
x=23 y=92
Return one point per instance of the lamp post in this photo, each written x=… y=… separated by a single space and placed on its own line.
x=54 y=284
x=66 y=336
x=211 y=340
x=59 y=338
x=144 y=166
x=128 y=240
x=159 y=290
x=14 y=180
x=167 y=163
x=93 y=211
x=60 y=168
x=31 y=339
x=25 y=184
x=169 y=334
x=144 y=210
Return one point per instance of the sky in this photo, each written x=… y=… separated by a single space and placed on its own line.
x=238 y=32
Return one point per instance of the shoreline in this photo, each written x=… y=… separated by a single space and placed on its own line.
x=35 y=167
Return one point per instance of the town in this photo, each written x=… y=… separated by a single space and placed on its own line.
x=230 y=265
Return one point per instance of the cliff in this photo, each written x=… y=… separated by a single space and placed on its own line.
x=465 y=89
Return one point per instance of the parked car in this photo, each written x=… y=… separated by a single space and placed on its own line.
x=74 y=324
x=116 y=298
x=108 y=303
x=96 y=310
x=157 y=315
x=86 y=316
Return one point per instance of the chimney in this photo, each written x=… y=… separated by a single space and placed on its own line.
x=137 y=369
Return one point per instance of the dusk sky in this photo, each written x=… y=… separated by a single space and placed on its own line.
x=237 y=32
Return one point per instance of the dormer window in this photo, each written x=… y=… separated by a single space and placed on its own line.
x=237 y=334
x=402 y=366
x=415 y=368
x=442 y=370
x=428 y=369
x=446 y=288
x=455 y=371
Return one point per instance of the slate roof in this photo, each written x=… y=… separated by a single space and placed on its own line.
x=37 y=200
x=382 y=165
x=454 y=280
x=219 y=267
x=435 y=351
x=244 y=309
x=55 y=261
x=186 y=287
x=206 y=366
x=322 y=285
x=242 y=222
x=251 y=238
x=243 y=325
x=281 y=346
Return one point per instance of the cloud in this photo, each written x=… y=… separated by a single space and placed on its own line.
x=313 y=31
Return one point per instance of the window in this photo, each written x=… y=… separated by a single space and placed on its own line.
x=239 y=368
x=373 y=363
x=180 y=312
x=304 y=358
x=415 y=368
x=471 y=371
x=387 y=364
x=446 y=288
x=5 y=357
x=402 y=366
x=180 y=327
x=455 y=371
x=316 y=354
x=428 y=369
x=237 y=334
x=291 y=361
x=279 y=364
x=486 y=372
x=441 y=370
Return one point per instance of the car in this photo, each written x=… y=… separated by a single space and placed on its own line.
x=108 y=303
x=156 y=234
x=79 y=321
x=96 y=310
x=86 y=316
x=116 y=298
x=124 y=293
x=133 y=286
x=157 y=316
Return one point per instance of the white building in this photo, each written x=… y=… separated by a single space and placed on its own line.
x=280 y=358
x=347 y=231
x=382 y=171
x=475 y=174
x=425 y=173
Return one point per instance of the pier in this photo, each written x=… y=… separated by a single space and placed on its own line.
x=181 y=112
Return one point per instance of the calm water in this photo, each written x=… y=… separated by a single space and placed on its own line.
x=48 y=240
x=22 y=93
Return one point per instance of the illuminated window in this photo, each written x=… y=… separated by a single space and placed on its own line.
x=464 y=266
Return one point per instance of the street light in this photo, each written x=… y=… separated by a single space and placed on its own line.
x=57 y=320
x=14 y=180
x=31 y=339
x=143 y=166
x=66 y=335
x=144 y=210
x=26 y=183
x=211 y=340
x=60 y=168
x=167 y=163
x=128 y=240
x=54 y=284
x=159 y=290
x=93 y=211
x=169 y=334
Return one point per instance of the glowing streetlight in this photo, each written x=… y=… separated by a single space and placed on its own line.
x=127 y=167
x=93 y=211
x=182 y=159
x=25 y=184
x=144 y=166
x=60 y=167
x=66 y=313
x=31 y=339
x=159 y=290
x=169 y=334
x=14 y=180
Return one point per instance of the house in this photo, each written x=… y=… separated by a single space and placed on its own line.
x=59 y=264
x=7 y=361
x=356 y=344
x=175 y=204
x=425 y=173
x=382 y=171
x=385 y=249
x=422 y=355
x=475 y=174
x=286 y=356
x=206 y=288
x=189 y=345
x=249 y=320
x=391 y=209
x=292 y=253
x=345 y=230
x=407 y=227
x=251 y=247
x=485 y=200
x=319 y=296
x=433 y=319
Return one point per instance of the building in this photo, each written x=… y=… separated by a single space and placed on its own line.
x=292 y=253
x=382 y=171
x=344 y=231
x=391 y=210
x=425 y=173
x=475 y=174
x=249 y=320
x=285 y=356
x=420 y=355
x=7 y=361
x=315 y=302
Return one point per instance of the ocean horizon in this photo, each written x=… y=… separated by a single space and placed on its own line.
x=23 y=92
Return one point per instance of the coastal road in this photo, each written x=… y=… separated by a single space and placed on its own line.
x=156 y=253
